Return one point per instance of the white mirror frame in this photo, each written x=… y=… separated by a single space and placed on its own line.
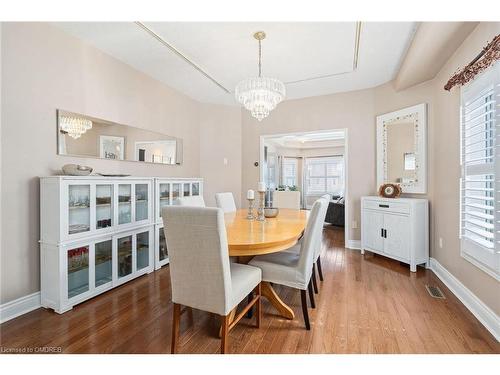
x=420 y=185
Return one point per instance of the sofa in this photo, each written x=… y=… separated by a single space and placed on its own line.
x=336 y=212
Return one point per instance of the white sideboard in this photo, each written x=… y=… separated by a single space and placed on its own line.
x=100 y=232
x=397 y=228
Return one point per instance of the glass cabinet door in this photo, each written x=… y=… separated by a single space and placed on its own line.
x=124 y=245
x=195 y=188
x=164 y=196
x=78 y=208
x=142 y=250
x=162 y=245
x=103 y=266
x=78 y=271
x=124 y=203
x=186 y=190
x=141 y=202
x=103 y=206
x=176 y=191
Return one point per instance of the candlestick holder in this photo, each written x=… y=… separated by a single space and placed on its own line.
x=260 y=209
x=250 y=209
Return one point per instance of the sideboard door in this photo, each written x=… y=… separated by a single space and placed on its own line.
x=372 y=230
x=397 y=232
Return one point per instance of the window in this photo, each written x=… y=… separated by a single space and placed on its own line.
x=325 y=175
x=480 y=180
x=289 y=175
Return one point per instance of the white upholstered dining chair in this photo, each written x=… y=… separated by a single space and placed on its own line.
x=193 y=201
x=225 y=201
x=295 y=269
x=200 y=272
x=318 y=245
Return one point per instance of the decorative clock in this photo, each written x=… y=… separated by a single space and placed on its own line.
x=389 y=191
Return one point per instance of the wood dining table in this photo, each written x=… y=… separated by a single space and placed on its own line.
x=248 y=238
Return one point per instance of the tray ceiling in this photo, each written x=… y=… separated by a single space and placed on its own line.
x=206 y=60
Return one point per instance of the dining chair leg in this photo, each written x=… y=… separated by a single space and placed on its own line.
x=258 y=307
x=250 y=312
x=225 y=331
x=313 y=278
x=175 y=327
x=320 y=271
x=303 y=298
x=311 y=294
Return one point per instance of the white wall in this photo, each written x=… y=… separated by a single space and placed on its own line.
x=44 y=69
x=220 y=138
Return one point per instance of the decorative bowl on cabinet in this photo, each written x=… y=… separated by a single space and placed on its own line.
x=76 y=170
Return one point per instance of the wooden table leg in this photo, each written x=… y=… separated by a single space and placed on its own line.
x=268 y=292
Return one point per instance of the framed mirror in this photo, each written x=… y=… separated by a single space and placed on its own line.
x=402 y=149
x=85 y=136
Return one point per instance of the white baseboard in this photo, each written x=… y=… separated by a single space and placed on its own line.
x=20 y=306
x=353 y=244
x=483 y=313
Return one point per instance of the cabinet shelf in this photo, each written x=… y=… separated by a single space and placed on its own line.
x=100 y=260
x=78 y=268
x=77 y=207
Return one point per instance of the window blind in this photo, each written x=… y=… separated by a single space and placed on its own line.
x=325 y=175
x=289 y=176
x=480 y=180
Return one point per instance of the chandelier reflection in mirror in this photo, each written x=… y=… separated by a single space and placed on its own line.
x=74 y=126
x=260 y=95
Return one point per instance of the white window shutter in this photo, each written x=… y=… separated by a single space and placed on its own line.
x=480 y=180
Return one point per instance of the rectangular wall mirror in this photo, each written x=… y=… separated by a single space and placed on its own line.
x=402 y=149
x=85 y=136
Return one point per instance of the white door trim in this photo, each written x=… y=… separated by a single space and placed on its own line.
x=347 y=228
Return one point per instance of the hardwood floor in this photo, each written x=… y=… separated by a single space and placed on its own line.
x=366 y=304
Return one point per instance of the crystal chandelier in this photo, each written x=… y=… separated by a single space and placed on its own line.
x=260 y=95
x=74 y=126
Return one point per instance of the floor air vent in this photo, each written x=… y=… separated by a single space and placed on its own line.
x=435 y=292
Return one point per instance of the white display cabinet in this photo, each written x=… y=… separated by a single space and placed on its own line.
x=96 y=233
x=99 y=232
x=161 y=251
x=78 y=207
x=167 y=191
x=76 y=271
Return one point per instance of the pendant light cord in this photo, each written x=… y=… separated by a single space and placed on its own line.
x=260 y=59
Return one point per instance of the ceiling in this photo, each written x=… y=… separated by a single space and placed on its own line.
x=334 y=138
x=206 y=60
